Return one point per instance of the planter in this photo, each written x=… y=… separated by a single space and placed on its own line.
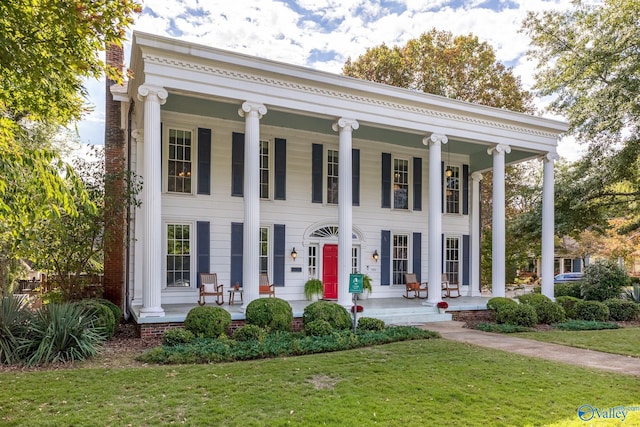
x=442 y=310
x=364 y=294
x=315 y=297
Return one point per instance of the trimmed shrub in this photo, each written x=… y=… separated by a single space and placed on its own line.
x=603 y=280
x=546 y=310
x=497 y=303
x=102 y=316
x=569 y=304
x=335 y=314
x=370 y=324
x=117 y=313
x=520 y=315
x=622 y=310
x=14 y=318
x=250 y=332
x=272 y=314
x=592 y=310
x=207 y=322
x=318 y=328
x=568 y=289
x=177 y=336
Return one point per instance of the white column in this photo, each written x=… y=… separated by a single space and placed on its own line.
x=153 y=97
x=548 y=226
x=345 y=127
x=138 y=220
x=435 y=142
x=498 y=257
x=474 y=268
x=252 y=112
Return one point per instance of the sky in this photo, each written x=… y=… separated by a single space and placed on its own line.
x=322 y=34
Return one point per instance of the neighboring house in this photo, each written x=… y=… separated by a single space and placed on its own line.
x=246 y=160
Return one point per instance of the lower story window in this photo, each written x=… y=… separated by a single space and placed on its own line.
x=178 y=255
x=452 y=259
x=264 y=250
x=312 y=262
x=355 y=259
x=400 y=257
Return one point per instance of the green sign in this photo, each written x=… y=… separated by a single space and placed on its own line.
x=355 y=283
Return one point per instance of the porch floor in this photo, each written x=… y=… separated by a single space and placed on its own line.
x=391 y=310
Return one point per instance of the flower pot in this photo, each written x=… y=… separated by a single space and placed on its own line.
x=364 y=294
x=442 y=310
x=315 y=297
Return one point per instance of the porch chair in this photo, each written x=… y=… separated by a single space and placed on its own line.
x=412 y=285
x=449 y=286
x=265 y=287
x=209 y=287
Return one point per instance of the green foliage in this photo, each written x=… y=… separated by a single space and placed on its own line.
x=272 y=314
x=520 y=315
x=501 y=328
x=102 y=316
x=207 y=322
x=592 y=310
x=313 y=287
x=117 y=312
x=634 y=293
x=335 y=314
x=603 y=280
x=318 y=328
x=250 y=332
x=547 y=311
x=63 y=333
x=14 y=323
x=496 y=303
x=569 y=289
x=584 y=325
x=370 y=324
x=622 y=310
x=569 y=304
x=366 y=283
x=177 y=336
x=279 y=344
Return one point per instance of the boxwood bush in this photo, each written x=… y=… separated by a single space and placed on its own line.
x=569 y=304
x=207 y=322
x=370 y=324
x=250 y=332
x=117 y=312
x=496 y=303
x=272 y=314
x=101 y=314
x=318 y=328
x=177 y=336
x=335 y=314
x=546 y=310
x=622 y=310
x=592 y=310
x=519 y=314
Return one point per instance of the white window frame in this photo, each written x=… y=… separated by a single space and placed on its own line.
x=449 y=192
x=166 y=132
x=355 y=259
x=335 y=176
x=395 y=176
x=395 y=258
x=266 y=247
x=448 y=261
x=192 y=253
x=270 y=162
x=313 y=266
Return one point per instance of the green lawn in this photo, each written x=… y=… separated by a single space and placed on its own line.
x=625 y=341
x=414 y=383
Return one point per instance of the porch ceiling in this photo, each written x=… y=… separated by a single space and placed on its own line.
x=479 y=160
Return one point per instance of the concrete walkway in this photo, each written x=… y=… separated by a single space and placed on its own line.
x=558 y=353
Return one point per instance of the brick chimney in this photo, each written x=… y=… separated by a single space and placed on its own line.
x=115 y=213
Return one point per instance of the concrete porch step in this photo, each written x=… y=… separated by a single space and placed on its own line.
x=406 y=315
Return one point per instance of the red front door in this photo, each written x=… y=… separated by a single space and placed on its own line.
x=330 y=271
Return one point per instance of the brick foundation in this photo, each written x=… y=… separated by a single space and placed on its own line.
x=472 y=315
x=156 y=330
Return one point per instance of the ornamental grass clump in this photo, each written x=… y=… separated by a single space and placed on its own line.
x=272 y=314
x=207 y=322
x=335 y=314
x=14 y=324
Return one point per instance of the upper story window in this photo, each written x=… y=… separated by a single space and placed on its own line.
x=452 y=189
x=332 y=177
x=180 y=161
x=400 y=184
x=264 y=169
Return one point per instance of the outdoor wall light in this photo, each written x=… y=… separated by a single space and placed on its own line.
x=294 y=254
x=375 y=255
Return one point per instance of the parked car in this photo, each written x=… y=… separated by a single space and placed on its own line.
x=567 y=277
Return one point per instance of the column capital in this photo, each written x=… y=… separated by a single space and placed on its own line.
x=551 y=156
x=499 y=149
x=138 y=135
x=152 y=92
x=343 y=123
x=249 y=107
x=435 y=138
x=476 y=176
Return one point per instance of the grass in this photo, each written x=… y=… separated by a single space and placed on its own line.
x=619 y=341
x=412 y=383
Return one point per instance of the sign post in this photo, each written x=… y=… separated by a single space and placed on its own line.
x=355 y=288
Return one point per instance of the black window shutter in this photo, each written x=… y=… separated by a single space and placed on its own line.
x=280 y=173
x=355 y=183
x=442 y=187
x=417 y=186
x=316 y=173
x=386 y=180
x=204 y=161
x=385 y=257
x=278 y=254
x=465 y=189
x=465 y=259
x=237 y=164
x=417 y=255
x=236 y=252
x=203 y=248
